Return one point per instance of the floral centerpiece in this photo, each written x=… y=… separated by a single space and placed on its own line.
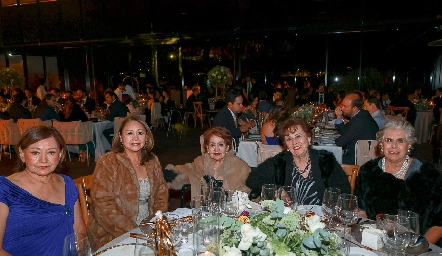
x=10 y=77
x=219 y=77
x=305 y=112
x=281 y=231
x=422 y=104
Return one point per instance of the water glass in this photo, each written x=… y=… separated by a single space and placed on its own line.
x=231 y=204
x=268 y=192
x=395 y=232
x=287 y=194
x=347 y=212
x=413 y=218
x=205 y=231
x=329 y=202
x=77 y=244
x=217 y=199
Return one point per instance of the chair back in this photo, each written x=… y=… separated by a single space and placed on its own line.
x=352 y=172
x=26 y=124
x=155 y=113
x=399 y=111
x=83 y=185
x=267 y=151
x=75 y=132
x=366 y=150
x=9 y=133
x=198 y=108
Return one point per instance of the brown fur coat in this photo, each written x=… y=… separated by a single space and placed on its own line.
x=115 y=193
x=233 y=170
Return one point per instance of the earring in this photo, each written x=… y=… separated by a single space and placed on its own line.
x=145 y=145
x=408 y=151
x=121 y=143
x=382 y=150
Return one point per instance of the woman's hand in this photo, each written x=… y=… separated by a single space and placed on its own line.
x=433 y=234
x=362 y=214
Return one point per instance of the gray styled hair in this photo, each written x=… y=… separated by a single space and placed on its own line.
x=396 y=122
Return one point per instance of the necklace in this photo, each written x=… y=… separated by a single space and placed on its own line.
x=309 y=161
x=136 y=163
x=401 y=173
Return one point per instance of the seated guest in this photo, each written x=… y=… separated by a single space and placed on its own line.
x=57 y=95
x=373 y=106
x=268 y=135
x=310 y=171
x=127 y=184
x=115 y=108
x=38 y=208
x=398 y=181
x=385 y=100
x=217 y=163
x=194 y=97
x=86 y=102
x=72 y=111
x=405 y=100
x=227 y=116
x=31 y=100
x=47 y=110
x=263 y=105
x=250 y=113
x=323 y=97
x=17 y=110
x=361 y=126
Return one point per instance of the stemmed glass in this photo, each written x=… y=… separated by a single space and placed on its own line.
x=77 y=244
x=268 y=192
x=329 y=202
x=347 y=212
x=395 y=232
x=413 y=218
x=287 y=194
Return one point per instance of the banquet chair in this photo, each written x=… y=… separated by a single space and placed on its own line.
x=9 y=135
x=26 y=124
x=76 y=133
x=267 y=151
x=399 y=111
x=156 y=119
x=117 y=122
x=83 y=185
x=352 y=172
x=198 y=113
x=366 y=150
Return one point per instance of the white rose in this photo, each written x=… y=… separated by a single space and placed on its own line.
x=247 y=235
x=314 y=222
x=231 y=251
x=287 y=210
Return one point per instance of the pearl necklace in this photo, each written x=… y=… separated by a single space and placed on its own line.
x=309 y=161
x=401 y=173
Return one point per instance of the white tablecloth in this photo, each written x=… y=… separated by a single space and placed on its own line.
x=422 y=125
x=248 y=151
x=101 y=143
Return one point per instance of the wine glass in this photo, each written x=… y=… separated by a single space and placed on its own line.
x=347 y=212
x=413 y=218
x=231 y=204
x=77 y=244
x=287 y=194
x=329 y=202
x=395 y=232
x=268 y=192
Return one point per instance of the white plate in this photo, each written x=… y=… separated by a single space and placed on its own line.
x=356 y=251
x=122 y=250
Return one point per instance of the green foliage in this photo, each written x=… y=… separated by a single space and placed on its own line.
x=10 y=77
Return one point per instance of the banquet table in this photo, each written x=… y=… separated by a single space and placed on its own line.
x=422 y=125
x=248 y=151
x=124 y=244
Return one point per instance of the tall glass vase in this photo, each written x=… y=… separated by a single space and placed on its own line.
x=205 y=232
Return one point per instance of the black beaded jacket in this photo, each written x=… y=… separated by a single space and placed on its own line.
x=278 y=170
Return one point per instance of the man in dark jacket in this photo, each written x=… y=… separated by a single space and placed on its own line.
x=17 y=110
x=115 y=108
x=361 y=126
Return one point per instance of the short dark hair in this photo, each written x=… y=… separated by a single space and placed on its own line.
x=277 y=90
x=372 y=99
x=231 y=95
x=19 y=97
x=36 y=134
x=111 y=93
x=286 y=127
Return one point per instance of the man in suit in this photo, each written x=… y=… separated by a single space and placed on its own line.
x=31 y=100
x=227 y=116
x=115 y=108
x=373 y=105
x=361 y=126
x=58 y=98
x=194 y=97
x=321 y=96
x=17 y=110
x=86 y=102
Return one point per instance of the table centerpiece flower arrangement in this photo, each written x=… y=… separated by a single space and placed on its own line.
x=305 y=112
x=219 y=77
x=422 y=104
x=278 y=232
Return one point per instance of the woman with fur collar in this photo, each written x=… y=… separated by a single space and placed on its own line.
x=217 y=163
x=310 y=171
x=398 y=181
x=127 y=185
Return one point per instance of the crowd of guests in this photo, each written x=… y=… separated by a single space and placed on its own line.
x=39 y=207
